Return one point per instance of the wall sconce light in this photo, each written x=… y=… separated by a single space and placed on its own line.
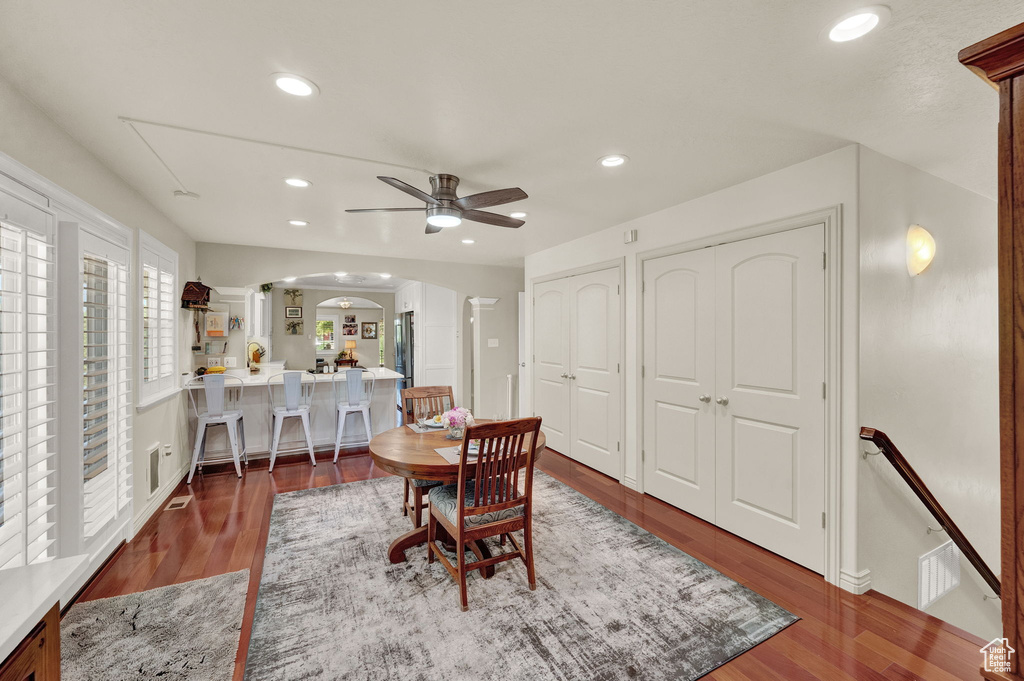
x=920 y=249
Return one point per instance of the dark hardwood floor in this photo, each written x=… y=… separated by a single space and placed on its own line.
x=840 y=636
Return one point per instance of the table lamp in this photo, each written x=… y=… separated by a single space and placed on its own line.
x=350 y=347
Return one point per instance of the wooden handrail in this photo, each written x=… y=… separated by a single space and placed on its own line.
x=910 y=476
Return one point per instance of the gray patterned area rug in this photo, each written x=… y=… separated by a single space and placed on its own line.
x=612 y=601
x=184 y=631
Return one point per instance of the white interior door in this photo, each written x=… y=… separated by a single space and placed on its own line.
x=595 y=396
x=679 y=381
x=770 y=320
x=521 y=368
x=551 y=361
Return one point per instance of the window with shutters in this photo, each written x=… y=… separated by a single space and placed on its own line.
x=159 y=320
x=106 y=385
x=28 y=392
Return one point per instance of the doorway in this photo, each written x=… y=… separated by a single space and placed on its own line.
x=404 y=339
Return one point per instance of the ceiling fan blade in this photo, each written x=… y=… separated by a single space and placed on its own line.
x=431 y=229
x=382 y=210
x=491 y=218
x=492 y=198
x=410 y=190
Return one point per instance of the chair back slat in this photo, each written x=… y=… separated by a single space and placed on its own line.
x=426 y=402
x=503 y=447
x=223 y=393
x=297 y=393
x=358 y=388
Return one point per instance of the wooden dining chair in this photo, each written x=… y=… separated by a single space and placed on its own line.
x=489 y=500
x=422 y=403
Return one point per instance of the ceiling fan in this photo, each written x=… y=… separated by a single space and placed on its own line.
x=445 y=209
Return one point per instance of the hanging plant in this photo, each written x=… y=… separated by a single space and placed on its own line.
x=266 y=288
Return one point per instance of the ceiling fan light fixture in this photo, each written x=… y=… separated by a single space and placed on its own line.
x=613 y=160
x=517 y=214
x=444 y=216
x=858 y=23
x=295 y=85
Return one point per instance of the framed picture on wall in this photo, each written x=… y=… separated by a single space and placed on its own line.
x=216 y=324
x=350 y=319
x=349 y=329
x=369 y=330
x=293 y=312
x=293 y=328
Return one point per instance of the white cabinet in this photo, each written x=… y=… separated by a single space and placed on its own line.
x=577 y=390
x=733 y=378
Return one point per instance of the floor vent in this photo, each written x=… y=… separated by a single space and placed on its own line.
x=178 y=502
x=938 y=574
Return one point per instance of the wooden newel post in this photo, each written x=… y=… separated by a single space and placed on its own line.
x=1000 y=60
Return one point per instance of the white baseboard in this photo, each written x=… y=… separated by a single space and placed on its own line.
x=857 y=583
x=158 y=497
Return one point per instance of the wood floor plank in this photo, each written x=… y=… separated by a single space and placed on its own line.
x=840 y=636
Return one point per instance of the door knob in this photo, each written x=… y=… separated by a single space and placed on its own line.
x=522 y=364
x=705 y=399
x=723 y=401
x=572 y=377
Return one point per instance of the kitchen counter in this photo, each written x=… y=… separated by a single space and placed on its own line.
x=256 y=410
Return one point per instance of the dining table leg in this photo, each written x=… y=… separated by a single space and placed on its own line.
x=418 y=537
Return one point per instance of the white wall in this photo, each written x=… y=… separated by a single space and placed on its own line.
x=822 y=182
x=31 y=138
x=929 y=379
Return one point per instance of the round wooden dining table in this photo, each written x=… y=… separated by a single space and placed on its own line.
x=403 y=452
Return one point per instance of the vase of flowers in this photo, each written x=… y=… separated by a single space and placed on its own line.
x=457 y=420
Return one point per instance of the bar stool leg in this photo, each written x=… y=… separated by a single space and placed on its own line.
x=337 y=435
x=366 y=423
x=309 y=438
x=277 y=438
x=233 y=437
x=200 y=435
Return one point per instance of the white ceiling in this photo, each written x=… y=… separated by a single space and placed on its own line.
x=700 y=95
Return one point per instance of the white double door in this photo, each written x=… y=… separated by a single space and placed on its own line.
x=733 y=388
x=576 y=364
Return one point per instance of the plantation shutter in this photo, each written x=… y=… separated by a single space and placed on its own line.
x=106 y=383
x=159 y=284
x=27 y=387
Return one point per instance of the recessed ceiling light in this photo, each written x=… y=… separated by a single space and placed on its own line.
x=297 y=223
x=468 y=241
x=613 y=160
x=297 y=182
x=290 y=279
x=385 y=275
x=295 y=85
x=517 y=214
x=341 y=274
x=858 y=23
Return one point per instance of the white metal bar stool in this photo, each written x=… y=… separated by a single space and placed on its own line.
x=358 y=394
x=223 y=397
x=297 y=402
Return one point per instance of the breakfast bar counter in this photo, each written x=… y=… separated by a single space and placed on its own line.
x=256 y=411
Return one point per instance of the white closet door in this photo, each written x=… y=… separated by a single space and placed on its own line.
x=679 y=370
x=551 y=361
x=771 y=367
x=595 y=401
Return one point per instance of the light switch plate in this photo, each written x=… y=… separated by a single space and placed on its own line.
x=230 y=361
x=492 y=342
x=213 y=361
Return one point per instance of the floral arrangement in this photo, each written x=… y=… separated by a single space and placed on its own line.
x=460 y=417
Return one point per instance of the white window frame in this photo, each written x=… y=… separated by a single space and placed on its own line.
x=153 y=253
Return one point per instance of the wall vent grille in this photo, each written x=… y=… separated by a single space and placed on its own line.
x=154 y=470
x=938 y=574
